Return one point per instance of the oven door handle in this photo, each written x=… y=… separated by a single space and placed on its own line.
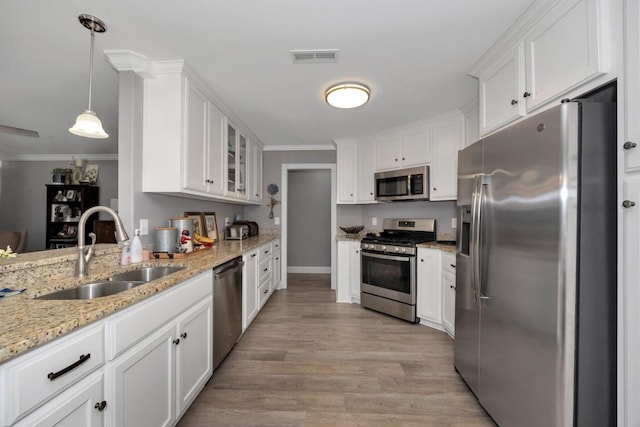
x=389 y=257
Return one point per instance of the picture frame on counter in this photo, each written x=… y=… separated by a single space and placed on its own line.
x=198 y=222
x=210 y=225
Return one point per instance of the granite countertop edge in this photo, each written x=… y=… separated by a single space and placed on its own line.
x=29 y=323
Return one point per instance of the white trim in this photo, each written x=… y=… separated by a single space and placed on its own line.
x=59 y=157
x=286 y=167
x=324 y=147
x=309 y=270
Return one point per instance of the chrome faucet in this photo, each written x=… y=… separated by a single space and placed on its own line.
x=83 y=258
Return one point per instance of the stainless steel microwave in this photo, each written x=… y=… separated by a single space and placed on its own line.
x=403 y=184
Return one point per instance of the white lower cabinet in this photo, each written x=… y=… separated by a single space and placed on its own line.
x=153 y=382
x=260 y=277
x=142 y=383
x=81 y=405
x=348 y=283
x=429 y=303
x=449 y=293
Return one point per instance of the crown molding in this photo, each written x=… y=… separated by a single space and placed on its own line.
x=128 y=60
x=59 y=157
x=319 y=147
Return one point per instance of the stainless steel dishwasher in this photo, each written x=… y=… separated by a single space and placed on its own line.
x=227 y=308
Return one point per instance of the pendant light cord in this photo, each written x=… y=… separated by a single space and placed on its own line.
x=91 y=65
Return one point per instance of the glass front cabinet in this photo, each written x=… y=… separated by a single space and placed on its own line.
x=236 y=162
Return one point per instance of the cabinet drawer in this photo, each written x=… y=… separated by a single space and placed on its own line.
x=264 y=269
x=133 y=324
x=32 y=379
x=263 y=292
x=264 y=252
x=449 y=262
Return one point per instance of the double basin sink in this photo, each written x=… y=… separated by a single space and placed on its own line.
x=115 y=284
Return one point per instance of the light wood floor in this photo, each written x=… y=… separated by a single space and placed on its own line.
x=308 y=361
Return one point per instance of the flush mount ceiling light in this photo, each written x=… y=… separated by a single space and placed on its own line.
x=347 y=95
x=88 y=124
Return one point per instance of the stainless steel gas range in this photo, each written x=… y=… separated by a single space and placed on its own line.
x=388 y=260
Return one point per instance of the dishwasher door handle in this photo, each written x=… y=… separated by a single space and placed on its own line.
x=228 y=270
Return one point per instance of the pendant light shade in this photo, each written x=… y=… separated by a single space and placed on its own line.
x=347 y=95
x=87 y=123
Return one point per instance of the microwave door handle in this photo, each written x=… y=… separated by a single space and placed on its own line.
x=408 y=185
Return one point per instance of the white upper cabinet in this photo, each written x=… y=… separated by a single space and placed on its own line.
x=410 y=146
x=447 y=139
x=190 y=148
x=346 y=154
x=632 y=87
x=366 y=170
x=501 y=87
x=254 y=188
x=556 y=52
x=563 y=51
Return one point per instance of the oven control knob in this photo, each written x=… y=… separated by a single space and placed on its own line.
x=397 y=249
x=403 y=250
x=383 y=248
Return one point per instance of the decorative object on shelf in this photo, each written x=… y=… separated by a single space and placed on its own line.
x=78 y=172
x=347 y=95
x=87 y=123
x=272 y=189
x=68 y=176
x=58 y=175
x=90 y=174
x=71 y=195
x=353 y=229
x=59 y=197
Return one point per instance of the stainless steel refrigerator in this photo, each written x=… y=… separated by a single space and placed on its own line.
x=536 y=269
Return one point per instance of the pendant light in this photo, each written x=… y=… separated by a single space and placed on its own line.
x=347 y=95
x=88 y=124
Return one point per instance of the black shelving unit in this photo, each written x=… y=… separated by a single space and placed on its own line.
x=65 y=204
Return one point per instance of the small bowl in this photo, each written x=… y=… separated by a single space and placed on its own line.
x=352 y=230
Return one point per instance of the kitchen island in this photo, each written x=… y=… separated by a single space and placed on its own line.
x=29 y=323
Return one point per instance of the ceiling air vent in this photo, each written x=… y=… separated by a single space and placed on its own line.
x=314 y=56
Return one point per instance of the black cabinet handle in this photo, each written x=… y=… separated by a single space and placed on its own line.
x=514 y=102
x=184 y=335
x=453 y=265
x=101 y=405
x=526 y=94
x=629 y=145
x=266 y=291
x=83 y=358
x=254 y=255
x=176 y=341
x=266 y=269
x=628 y=204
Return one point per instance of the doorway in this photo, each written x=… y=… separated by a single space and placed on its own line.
x=301 y=167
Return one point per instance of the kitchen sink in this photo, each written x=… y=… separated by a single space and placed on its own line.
x=115 y=284
x=93 y=290
x=145 y=274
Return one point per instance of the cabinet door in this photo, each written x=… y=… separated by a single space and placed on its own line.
x=249 y=288
x=75 y=407
x=366 y=154
x=415 y=145
x=388 y=152
x=347 y=171
x=563 y=52
x=241 y=167
x=354 y=271
x=449 y=302
x=142 y=382
x=195 y=139
x=501 y=88
x=429 y=287
x=632 y=85
x=194 y=358
x=215 y=166
x=343 y=287
x=257 y=170
x=277 y=271
x=231 y=137
x=447 y=139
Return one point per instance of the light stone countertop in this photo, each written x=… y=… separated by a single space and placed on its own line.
x=28 y=323
x=446 y=247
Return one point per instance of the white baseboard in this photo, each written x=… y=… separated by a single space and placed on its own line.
x=309 y=270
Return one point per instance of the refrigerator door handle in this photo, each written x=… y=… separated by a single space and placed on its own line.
x=475 y=234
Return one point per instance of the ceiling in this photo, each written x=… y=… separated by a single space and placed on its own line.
x=413 y=54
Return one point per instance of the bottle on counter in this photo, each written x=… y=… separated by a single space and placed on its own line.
x=125 y=258
x=136 y=247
